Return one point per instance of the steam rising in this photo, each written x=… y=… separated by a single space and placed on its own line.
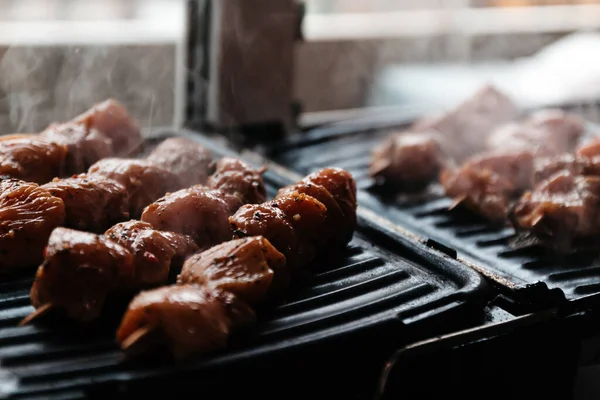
x=41 y=85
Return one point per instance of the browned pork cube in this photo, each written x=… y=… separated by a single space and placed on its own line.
x=80 y=271
x=155 y=253
x=92 y=203
x=28 y=214
x=237 y=178
x=32 y=159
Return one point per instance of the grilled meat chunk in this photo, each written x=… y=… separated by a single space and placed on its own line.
x=184 y=158
x=32 y=159
x=202 y=212
x=487 y=183
x=79 y=272
x=143 y=181
x=190 y=319
x=28 y=214
x=251 y=268
x=411 y=159
x=155 y=253
x=92 y=202
x=112 y=120
x=298 y=224
x=560 y=210
x=83 y=146
x=237 y=178
x=198 y=211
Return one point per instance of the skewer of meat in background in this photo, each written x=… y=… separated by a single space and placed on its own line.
x=106 y=130
x=113 y=190
x=218 y=288
x=412 y=159
x=489 y=182
x=82 y=270
x=562 y=210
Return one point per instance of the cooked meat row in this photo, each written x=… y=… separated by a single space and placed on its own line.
x=72 y=147
x=217 y=288
x=413 y=159
x=113 y=190
x=81 y=270
x=564 y=205
x=488 y=182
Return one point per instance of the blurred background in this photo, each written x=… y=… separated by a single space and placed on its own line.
x=57 y=57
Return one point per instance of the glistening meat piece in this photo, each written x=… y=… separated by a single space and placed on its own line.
x=79 y=272
x=189 y=319
x=143 y=181
x=155 y=253
x=199 y=212
x=84 y=146
x=184 y=158
x=412 y=159
x=202 y=212
x=251 y=268
x=32 y=159
x=237 y=178
x=92 y=202
x=487 y=183
x=112 y=119
x=298 y=224
x=28 y=214
x=561 y=210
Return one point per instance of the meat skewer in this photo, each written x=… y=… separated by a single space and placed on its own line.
x=91 y=202
x=153 y=255
x=563 y=206
x=192 y=319
x=412 y=159
x=488 y=182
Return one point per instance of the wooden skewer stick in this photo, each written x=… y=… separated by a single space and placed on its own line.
x=37 y=314
x=456 y=202
x=140 y=340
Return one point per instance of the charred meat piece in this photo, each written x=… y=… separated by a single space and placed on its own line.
x=237 y=178
x=409 y=161
x=190 y=319
x=342 y=187
x=184 y=158
x=546 y=167
x=143 y=181
x=79 y=272
x=251 y=268
x=92 y=202
x=155 y=252
x=487 y=183
x=305 y=215
x=198 y=212
x=298 y=224
x=84 y=146
x=32 y=159
x=112 y=120
x=28 y=214
x=561 y=210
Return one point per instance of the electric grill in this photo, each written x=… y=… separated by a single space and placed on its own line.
x=386 y=291
x=532 y=278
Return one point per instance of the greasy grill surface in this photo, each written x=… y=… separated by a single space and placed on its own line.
x=528 y=272
x=368 y=287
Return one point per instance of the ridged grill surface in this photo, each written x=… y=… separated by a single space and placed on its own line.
x=369 y=284
x=577 y=275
